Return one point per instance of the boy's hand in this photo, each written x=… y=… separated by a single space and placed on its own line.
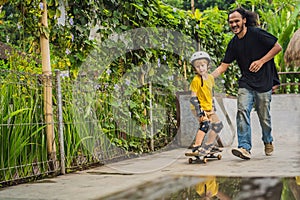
x=201 y=113
x=203 y=118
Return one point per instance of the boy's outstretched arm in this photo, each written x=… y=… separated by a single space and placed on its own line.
x=195 y=102
x=202 y=118
x=198 y=110
x=221 y=69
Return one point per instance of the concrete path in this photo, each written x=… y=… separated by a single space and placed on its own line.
x=126 y=175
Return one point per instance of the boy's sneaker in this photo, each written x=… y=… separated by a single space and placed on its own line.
x=241 y=153
x=205 y=150
x=269 y=149
x=216 y=149
x=195 y=148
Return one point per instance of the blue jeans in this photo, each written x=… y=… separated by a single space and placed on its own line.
x=246 y=100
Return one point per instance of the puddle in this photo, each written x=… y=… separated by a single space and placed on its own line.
x=210 y=187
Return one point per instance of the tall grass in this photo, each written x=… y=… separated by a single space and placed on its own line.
x=86 y=122
x=22 y=140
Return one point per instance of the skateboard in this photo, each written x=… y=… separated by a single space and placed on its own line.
x=203 y=158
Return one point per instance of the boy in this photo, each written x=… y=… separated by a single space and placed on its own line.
x=202 y=101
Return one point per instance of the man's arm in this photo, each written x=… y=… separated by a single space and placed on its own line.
x=221 y=69
x=256 y=65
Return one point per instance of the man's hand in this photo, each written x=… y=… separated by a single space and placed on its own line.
x=255 y=66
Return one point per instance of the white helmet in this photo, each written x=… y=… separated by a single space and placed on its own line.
x=199 y=55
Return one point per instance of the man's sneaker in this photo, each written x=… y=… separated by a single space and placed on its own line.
x=269 y=149
x=241 y=153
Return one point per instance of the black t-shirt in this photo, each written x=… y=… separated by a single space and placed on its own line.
x=254 y=45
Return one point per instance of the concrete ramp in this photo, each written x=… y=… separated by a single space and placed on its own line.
x=285 y=111
x=188 y=124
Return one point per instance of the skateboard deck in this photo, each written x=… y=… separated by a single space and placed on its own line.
x=202 y=158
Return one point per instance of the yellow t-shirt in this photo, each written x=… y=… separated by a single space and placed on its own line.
x=209 y=186
x=298 y=180
x=204 y=93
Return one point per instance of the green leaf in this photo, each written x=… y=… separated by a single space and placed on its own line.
x=14 y=113
x=51 y=13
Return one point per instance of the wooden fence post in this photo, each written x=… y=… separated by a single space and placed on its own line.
x=47 y=81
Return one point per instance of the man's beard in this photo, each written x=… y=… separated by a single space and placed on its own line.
x=241 y=28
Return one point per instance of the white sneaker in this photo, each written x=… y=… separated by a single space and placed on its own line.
x=241 y=153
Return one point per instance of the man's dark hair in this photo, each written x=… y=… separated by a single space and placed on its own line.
x=251 y=17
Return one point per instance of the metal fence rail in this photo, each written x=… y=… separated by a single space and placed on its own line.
x=290 y=82
x=23 y=145
x=80 y=140
x=22 y=141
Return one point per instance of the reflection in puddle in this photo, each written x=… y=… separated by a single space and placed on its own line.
x=224 y=188
x=210 y=187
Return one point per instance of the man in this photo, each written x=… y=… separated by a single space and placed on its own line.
x=254 y=50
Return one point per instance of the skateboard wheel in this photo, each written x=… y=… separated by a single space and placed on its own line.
x=204 y=160
x=219 y=156
x=190 y=160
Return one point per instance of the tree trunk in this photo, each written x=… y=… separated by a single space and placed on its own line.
x=47 y=81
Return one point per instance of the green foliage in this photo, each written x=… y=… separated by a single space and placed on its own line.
x=207 y=4
x=211 y=31
x=21 y=133
x=282 y=24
